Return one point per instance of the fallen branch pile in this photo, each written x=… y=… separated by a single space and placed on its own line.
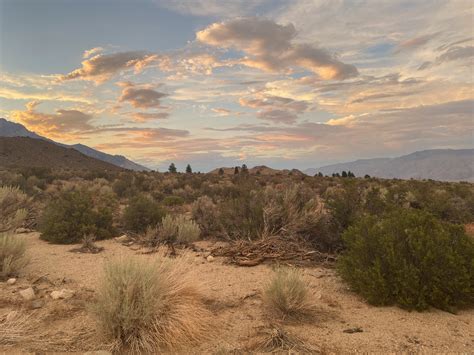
x=286 y=250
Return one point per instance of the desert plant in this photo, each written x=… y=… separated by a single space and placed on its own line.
x=143 y=306
x=71 y=216
x=178 y=229
x=287 y=294
x=12 y=208
x=409 y=258
x=141 y=213
x=173 y=200
x=12 y=247
x=206 y=214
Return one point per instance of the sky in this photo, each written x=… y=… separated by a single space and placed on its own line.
x=283 y=83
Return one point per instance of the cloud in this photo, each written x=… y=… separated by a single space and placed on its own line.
x=141 y=96
x=279 y=116
x=13 y=94
x=269 y=46
x=64 y=124
x=212 y=7
x=415 y=42
x=89 y=52
x=221 y=111
x=103 y=67
x=149 y=116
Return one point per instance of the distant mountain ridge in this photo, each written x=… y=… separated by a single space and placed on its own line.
x=26 y=152
x=436 y=164
x=12 y=129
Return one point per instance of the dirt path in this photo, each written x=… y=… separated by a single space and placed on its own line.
x=233 y=296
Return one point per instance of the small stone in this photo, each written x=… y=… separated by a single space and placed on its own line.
x=353 y=330
x=210 y=258
x=63 y=294
x=27 y=294
x=22 y=230
x=37 y=304
x=11 y=281
x=122 y=238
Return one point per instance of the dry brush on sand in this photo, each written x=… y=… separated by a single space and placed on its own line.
x=145 y=306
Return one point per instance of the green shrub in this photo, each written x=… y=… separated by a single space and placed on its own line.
x=72 y=215
x=287 y=294
x=173 y=201
x=145 y=306
x=178 y=229
x=141 y=213
x=409 y=258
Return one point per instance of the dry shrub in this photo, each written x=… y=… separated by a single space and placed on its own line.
x=143 y=306
x=287 y=295
x=179 y=229
x=12 y=247
x=274 y=339
x=16 y=328
x=206 y=214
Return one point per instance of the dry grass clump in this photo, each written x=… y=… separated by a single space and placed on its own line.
x=275 y=339
x=179 y=229
x=143 y=306
x=16 y=328
x=206 y=214
x=12 y=215
x=287 y=295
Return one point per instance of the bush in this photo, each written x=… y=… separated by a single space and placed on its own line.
x=206 y=215
x=71 y=216
x=409 y=258
x=12 y=248
x=178 y=229
x=287 y=294
x=141 y=213
x=143 y=306
x=173 y=201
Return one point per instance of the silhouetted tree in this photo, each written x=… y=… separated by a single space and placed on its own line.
x=188 y=169
x=367 y=176
x=221 y=171
x=236 y=170
x=244 y=170
x=344 y=174
x=172 y=169
x=350 y=174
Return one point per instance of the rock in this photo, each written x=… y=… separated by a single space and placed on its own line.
x=11 y=281
x=122 y=238
x=27 y=294
x=37 y=304
x=63 y=294
x=353 y=330
x=22 y=230
x=210 y=258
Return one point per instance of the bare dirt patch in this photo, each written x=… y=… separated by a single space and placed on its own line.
x=233 y=295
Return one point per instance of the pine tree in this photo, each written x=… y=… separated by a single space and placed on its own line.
x=236 y=170
x=344 y=174
x=172 y=169
x=188 y=169
x=221 y=171
x=244 y=170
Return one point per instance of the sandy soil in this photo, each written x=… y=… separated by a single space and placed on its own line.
x=233 y=295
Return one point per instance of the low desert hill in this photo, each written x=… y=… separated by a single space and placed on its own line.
x=30 y=152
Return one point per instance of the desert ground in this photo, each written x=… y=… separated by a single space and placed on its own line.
x=343 y=323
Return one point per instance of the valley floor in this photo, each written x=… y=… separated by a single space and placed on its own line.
x=233 y=296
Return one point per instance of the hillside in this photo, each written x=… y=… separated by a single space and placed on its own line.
x=12 y=129
x=30 y=152
x=437 y=164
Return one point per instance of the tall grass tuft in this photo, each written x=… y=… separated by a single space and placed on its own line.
x=144 y=306
x=287 y=295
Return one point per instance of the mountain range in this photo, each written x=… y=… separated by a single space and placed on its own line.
x=12 y=129
x=436 y=164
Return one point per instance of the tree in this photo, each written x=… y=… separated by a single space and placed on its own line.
x=221 y=171
x=344 y=174
x=245 y=170
x=236 y=170
x=188 y=169
x=367 y=176
x=172 y=168
x=350 y=174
